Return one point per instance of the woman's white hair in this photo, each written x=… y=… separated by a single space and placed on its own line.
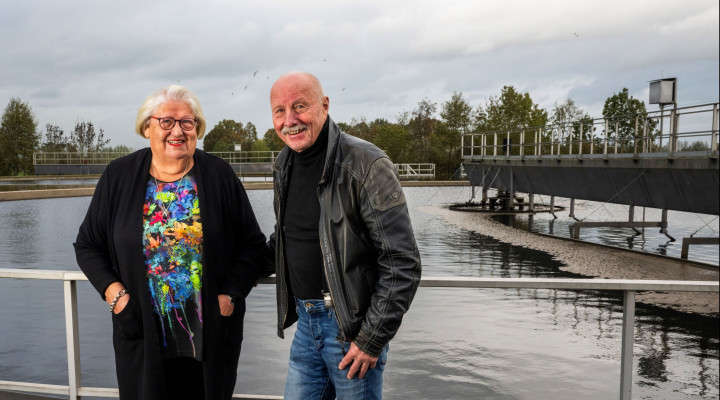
x=169 y=93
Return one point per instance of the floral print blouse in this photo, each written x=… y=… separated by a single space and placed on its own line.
x=172 y=241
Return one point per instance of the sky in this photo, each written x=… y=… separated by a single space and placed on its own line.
x=96 y=61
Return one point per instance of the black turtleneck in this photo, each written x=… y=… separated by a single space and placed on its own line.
x=302 y=219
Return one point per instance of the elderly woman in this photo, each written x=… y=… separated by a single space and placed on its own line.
x=172 y=245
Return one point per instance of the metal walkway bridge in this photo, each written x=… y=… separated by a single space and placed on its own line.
x=661 y=160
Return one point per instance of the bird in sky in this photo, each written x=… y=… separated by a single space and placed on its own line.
x=576 y=35
x=255 y=74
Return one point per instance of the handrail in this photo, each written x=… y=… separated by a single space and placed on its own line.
x=75 y=390
x=649 y=134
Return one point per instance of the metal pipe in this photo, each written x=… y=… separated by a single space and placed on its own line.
x=72 y=338
x=580 y=151
x=606 y=138
x=628 y=339
x=714 y=135
x=617 y=135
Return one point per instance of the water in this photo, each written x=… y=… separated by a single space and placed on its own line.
x=680 y=225
x=453 y=344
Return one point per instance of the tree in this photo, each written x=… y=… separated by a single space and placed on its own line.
x=54 y=139
x=421 y=126
x=121 y=148
x=84 y=138
x=394 y=140
x=227 y=133
x=622 y=111
x=567 y=119
x=446 y=138
x=511 y=112
x=18 y=138
x=272 y=141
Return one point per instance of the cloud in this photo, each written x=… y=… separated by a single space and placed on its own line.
x=96 y=61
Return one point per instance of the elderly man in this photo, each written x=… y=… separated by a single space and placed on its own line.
x=344 y=251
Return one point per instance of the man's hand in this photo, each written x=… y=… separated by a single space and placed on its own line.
x=359 y=362
x=226 y=307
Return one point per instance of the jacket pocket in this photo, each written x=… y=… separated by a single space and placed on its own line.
x=126 y=323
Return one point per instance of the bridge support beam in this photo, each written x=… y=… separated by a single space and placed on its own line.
x=687 y=241
x=630 y=224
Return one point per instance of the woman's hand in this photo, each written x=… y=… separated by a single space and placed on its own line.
x=226 y=305
x=110 y=294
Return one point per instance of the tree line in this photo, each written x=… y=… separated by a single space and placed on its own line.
x=20 y=138
x=430 y=133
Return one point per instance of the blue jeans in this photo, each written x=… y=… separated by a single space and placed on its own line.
x=315 y=355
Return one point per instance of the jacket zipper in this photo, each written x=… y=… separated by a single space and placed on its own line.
x=280 y=242
x=324 y=244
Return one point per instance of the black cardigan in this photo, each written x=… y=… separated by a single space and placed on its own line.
x=109 y=248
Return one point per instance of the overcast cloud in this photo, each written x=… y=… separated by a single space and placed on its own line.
x=97 y=60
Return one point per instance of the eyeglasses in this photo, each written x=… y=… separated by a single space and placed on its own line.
x=186 y=124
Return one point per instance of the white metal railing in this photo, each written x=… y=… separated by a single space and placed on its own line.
x=651 y=134
x=415 y=170
x=75 y=158
x=241 y=157
x=75 y=389
x=104 y=158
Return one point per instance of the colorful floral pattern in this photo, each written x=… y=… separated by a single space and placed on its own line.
x=172 y=242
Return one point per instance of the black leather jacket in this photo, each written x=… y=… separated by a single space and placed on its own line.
x=370 y=257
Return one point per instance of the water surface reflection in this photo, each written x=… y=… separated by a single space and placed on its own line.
x=454 y=343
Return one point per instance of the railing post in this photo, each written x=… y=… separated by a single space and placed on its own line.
x=73 y=339
x=571 y=138
x=617 y=135
x=581 y=139
x=673 y=133
x=495 y=147
x=635 y=135
x=628 y=339
x=522 y=143
x=714 y=135
x=507 y=145
x=606 y=138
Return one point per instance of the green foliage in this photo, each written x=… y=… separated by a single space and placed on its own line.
x=18 y=139
x=272 y=141
x=622 y=112
x=567 y=119
x=54 y=139
x=121 y=148
x=394 y=140
x=227 y=133
x=697 y=145
x=511 y=110
x=358 y=128
x=445 y=141
x=421 y=125
x=84 y=139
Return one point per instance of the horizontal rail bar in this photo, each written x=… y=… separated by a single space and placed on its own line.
x=629 y=287
x=617 y=224
x=89 y=391
x=462 y=282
